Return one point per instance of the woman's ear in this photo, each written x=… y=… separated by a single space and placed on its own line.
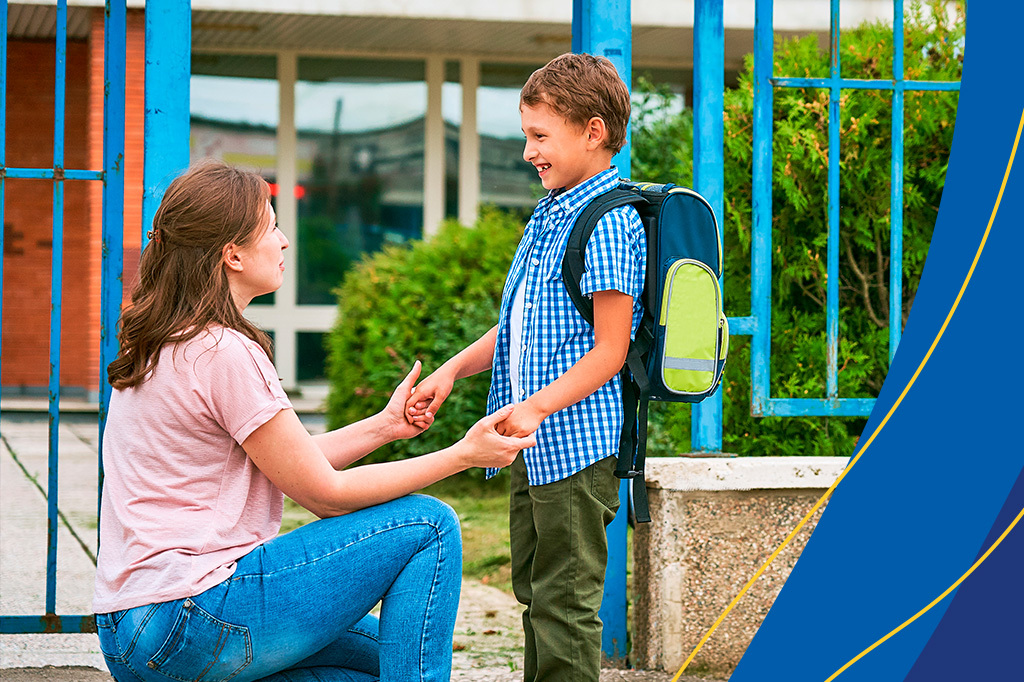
x=231 y=257
x=597 y=132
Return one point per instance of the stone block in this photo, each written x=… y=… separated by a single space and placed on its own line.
x=715 y=521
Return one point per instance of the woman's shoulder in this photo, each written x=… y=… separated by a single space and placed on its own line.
x=217 y=341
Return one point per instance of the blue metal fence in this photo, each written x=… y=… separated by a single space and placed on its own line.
x=112 y=178
x=759 y=323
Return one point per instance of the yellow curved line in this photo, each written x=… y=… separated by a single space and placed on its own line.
x=899 y=400
x=934 y=601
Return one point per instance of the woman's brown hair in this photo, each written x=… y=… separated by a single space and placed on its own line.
x=182 y=287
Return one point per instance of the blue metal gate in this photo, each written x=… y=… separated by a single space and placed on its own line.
x=759 y=323
x=112 y=178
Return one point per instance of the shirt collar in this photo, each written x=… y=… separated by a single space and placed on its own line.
x=572 y=200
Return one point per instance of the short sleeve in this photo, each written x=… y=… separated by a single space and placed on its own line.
x=616 y=254
x=243 y=390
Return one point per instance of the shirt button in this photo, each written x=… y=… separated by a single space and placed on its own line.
x=534 y=261
x=522 y=392
x=524 y=346
x=529 y=305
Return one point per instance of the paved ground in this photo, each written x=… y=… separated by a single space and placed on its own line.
x=487 y=631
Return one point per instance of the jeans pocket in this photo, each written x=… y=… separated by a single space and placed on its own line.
x=105 y=633
x=200 y=647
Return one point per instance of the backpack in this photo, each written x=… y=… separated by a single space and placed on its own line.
x=680 y=347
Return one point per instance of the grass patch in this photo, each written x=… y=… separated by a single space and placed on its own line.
x=483 y=513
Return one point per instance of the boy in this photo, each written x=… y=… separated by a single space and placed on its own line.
x=561 y=373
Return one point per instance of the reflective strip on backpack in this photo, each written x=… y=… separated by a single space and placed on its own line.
x=692 y=364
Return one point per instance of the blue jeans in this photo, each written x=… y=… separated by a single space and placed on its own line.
x=296 y=608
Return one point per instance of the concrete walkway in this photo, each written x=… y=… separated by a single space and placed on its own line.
x=487 y=635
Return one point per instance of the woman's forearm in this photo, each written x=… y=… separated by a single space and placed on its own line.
x=371 y=484
x=350 y=443
x=285 y=453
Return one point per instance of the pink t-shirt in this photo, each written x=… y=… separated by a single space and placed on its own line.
x=181 y=500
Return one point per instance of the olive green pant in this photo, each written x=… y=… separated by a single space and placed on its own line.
x=559 y=552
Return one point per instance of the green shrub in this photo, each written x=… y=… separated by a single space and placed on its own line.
x=421 y=302
x=662 y=151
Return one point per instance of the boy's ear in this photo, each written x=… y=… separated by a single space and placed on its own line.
x=597 y=133
x=231 y=257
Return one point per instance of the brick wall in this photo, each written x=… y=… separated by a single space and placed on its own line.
x=29 y=204
x=134 y=113
x=28 y=224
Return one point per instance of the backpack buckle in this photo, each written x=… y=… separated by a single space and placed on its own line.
x=632 y=473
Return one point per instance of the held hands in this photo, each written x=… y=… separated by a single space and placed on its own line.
x=425 y=399
x=393 y=413
x=484 y=446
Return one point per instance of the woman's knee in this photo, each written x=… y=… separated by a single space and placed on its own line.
x=430 y=510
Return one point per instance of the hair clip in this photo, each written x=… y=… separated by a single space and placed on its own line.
x=154 y=235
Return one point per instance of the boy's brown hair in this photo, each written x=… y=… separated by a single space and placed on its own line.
x=579 y=87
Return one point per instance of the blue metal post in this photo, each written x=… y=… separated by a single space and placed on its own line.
x=896 y=187
x=3 y=156
x=708 y=168
x=166 y=128
x=761 y=253
x=604 y=28
x=56 y=304
x=112 y=250
x=832 y=256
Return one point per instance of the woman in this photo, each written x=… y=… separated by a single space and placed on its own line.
x=192 y=581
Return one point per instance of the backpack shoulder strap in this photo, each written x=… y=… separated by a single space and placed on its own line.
x=573 y=263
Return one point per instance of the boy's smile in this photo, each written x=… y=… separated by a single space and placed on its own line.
x=563 y=154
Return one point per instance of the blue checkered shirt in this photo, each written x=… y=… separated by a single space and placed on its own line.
x=555 y=336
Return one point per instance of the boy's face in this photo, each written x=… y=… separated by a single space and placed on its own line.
x=560 y=151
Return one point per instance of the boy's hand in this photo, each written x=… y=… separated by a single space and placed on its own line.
x=425 y=399
x=523 y=421
x=393 y=414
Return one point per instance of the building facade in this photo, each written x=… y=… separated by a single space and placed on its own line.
x=373 y=121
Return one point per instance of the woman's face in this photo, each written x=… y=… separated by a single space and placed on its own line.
x=262 y=261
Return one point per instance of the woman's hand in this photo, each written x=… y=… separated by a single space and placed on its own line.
x=483 y=446
x=393 y=415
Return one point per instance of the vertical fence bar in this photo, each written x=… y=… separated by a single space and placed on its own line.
x=896 y=186
x=112 y=249
x=168 y=66
x=604 y=28
x=56 y=304
x=708 y=145
x=832 y=260
x=3 y=158
x=581 y=26
x=761 y=266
